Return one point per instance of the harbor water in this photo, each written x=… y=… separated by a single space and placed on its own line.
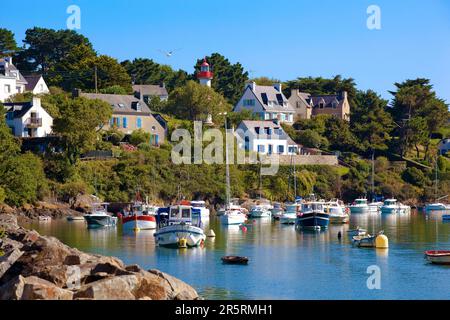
x=286 y=263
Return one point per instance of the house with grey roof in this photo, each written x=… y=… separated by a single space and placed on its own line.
x=11 y=80
x=265 y=137
x=28 y=119
x=36 y=84
x=129 y=114
x=268 y=102
x=307 y=105
x=147 y=91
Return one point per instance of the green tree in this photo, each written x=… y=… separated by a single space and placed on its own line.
x=9 y=145
x=8 y=45
x=311 y=139
x=229 y=79
x=340 y=136
x=265 y=81
x=370 y=121
x=114 y=90
x=194 y=102
x=45 y=48
x=78 y=123
x=23 y=179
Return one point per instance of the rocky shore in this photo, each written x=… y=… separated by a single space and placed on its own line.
x=35 y=267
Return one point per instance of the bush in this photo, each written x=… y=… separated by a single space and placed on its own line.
x=73 y=189
x=415 y=177
x=139 y=136
x=311 y=139
x=2 y=195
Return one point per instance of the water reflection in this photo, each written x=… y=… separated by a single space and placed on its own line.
x=287 y=263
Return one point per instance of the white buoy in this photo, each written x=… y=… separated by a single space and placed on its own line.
x=211 y=233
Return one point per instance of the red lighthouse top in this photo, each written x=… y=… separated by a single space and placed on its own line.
x=205 y=72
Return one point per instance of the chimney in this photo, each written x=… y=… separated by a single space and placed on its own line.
x=295 y=92
x=252 y=85
x=138 y=95
x=76 y=93
x=162 y=85
x=344 y=95
x=36 y=102
x=277 y=86
x=8 y=61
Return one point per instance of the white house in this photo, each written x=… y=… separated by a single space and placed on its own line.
x=265 y=137
x=28 y=119
x=444 y=146
x=268 y=102
x=36 y=84
x=11 y=80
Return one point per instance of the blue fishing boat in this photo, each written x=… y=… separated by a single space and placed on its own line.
x=313 y=216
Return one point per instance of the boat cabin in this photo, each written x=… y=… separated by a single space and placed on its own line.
x=182 y=214
x=390 y=202
x=312 y=206
x=198 y=204
x=361 y=202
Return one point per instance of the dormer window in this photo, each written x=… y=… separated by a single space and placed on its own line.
x=321 y=105
x=257 y=130
x=138 y=107
x=334 y=105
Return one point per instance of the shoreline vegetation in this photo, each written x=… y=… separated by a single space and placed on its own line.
x=35 y=267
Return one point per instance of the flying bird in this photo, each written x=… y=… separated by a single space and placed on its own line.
x=168 y=54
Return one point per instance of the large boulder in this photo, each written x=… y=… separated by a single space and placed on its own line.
x=8 y=260
x=179 y=290
x=114 y=288
x=33 y=288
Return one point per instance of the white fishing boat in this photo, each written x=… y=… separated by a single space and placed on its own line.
x=391 y=206
x=290 y=215
x=436 y=207
x=359 y=206
x=182 y=229
x=261 y=210
x=100 y=217
x=337 y=212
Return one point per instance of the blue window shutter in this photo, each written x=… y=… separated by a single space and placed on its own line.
x=139 y=123
x=125 y=124
x=111 y=122
x=156 y=139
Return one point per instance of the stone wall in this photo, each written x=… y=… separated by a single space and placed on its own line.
x=303 y=160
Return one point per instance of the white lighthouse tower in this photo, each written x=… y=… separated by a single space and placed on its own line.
x=205 y=75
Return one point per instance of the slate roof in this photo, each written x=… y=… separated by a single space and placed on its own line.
x=20 y=108
x=8 y=71
x=327 y=100
x=266 y=94
x=120 y=103
x=32 y=81
x=251 y=125
x=150 y=90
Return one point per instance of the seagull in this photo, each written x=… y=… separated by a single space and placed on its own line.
x=168 y=54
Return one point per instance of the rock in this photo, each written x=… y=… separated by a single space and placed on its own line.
x=133 y=268
x=72 y=260
x=179 y=289
x=40 y=289
x=114 y=288
x=8 y=260
x=33 y=288
x=8 y=222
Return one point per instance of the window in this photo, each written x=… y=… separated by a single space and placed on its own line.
x=10 y=116
x=291 y=117
x=283 y=117
x=257 y=130
x=125 y=122
x=247 y=144
x=268 y=131
x=41 y=87
x=173 y=212
x=115 y=122
x=249 y=102
x=266 y=116
x=139 y=123
x=19 y=89
x=280 y=149
x=321 y=105
x=334 y=105
x=7 y=88
x=270 y=151
x=186 y=213
x=261 y=148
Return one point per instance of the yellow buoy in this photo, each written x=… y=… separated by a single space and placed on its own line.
x=182 y=243
x=382 y=242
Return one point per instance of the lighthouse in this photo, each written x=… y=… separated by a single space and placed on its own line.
x=205 y=75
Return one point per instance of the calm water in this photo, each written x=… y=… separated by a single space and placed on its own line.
x=286 y=263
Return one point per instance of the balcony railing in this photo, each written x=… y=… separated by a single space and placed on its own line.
x=33 y=122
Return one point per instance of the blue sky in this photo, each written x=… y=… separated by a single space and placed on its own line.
x=284 y=39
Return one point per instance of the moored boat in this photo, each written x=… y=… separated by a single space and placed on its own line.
x=233 y=216
x=290 y=215
x=356 y=232
x=234 y=260
x=359 y=206
x=391 y=206
x=260 y=211
x=374 y=207
x=337 y=212
x=438 y=256
x=100 y=217
x=139 y=216
x=436 y=207
x=277 y=211
x=182 y=229
x=75 y=218
x=313 y=216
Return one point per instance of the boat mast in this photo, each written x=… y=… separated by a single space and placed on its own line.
x=436 y=181
x=373 y=174
x=260 y=178
x=295 y=182
x=227 y=166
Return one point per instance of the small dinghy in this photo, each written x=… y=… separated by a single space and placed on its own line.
x=438 y=256
x=234 y=260
x=357 y=232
